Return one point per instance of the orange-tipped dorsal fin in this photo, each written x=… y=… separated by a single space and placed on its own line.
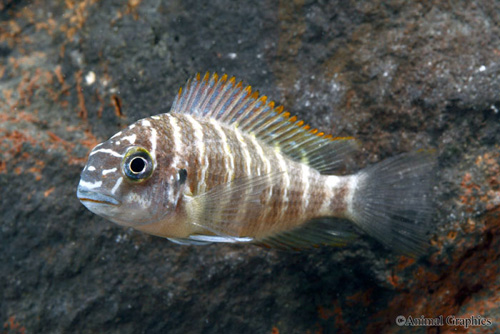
x=233 y=104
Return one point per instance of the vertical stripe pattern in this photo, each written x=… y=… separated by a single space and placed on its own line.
x=216 y=153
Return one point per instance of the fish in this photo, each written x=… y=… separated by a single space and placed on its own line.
x=227 y=165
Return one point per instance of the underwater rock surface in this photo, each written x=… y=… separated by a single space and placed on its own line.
x=398 y=75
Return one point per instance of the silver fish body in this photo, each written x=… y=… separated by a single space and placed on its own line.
x=227 y=166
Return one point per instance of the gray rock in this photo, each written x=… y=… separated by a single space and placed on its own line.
x=400 y=76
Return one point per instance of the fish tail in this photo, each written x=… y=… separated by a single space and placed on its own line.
x=392 y=201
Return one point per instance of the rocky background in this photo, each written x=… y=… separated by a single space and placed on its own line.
x=398 y=75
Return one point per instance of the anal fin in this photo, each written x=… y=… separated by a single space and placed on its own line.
x=313 y=234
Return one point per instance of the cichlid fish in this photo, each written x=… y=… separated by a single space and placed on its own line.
x=225 y=165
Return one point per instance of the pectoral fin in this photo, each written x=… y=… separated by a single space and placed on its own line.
x=225 y=209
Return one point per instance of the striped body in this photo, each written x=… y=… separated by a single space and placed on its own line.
x=226 y=165
x=214 y=154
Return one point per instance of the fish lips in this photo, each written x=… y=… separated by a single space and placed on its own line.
x=93 y=197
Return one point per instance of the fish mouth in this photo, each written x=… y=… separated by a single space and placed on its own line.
x=95 y=197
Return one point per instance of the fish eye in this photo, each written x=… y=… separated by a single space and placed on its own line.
x=137 y=164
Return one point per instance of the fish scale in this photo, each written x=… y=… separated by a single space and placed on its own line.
x=227 y=165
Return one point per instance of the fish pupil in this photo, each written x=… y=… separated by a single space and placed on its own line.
x=137 y=165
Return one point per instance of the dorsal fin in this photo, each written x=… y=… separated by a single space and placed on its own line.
x=233 y=104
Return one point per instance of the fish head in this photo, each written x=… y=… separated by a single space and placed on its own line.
x=127 y=178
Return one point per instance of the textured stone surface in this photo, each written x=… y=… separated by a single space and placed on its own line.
x=398 y=75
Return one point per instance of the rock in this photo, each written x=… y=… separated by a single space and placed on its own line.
x=400 y=76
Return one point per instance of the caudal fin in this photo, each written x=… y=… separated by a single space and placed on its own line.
x=392 y=201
